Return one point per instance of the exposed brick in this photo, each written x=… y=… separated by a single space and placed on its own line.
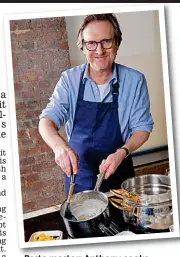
x=35 y=122
x=37 y=193
x=34 y=150
x=39 y=56
x=53 y=74
x=32 y=195
x=20 y=24
x=54 y=23
x=27 y=160
x=36 y=105
x=50 y=187
x=49 y=35
x=41 y=44
x=39 y=94
x=25 y=61
x=32 y=132
x=25 y=143
x=50 y=174
x=36 y=24
x=15 y=46
x=29 y=179
x=30 y=206
x=44 y=84
x=35 y=186
x=28 y=45
x=25 y=169
x=23 y=35
x=43 y=166
x=29 y=133
x=47 y=202
x=39 y=158
x=18 y=86
x=64 y=45
x=22 y=133
x=20 y=106
x=33 y=114
x=30 y=76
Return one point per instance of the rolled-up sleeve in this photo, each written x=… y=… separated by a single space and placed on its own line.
x=57 y=109
x=140 y=116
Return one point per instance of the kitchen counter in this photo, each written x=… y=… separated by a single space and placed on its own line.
x=148 y=158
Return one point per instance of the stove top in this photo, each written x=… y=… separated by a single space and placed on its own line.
x=53 y=221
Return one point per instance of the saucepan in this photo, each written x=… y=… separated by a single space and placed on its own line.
x=91 y=210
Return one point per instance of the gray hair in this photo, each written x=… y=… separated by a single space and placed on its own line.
x=100 y=17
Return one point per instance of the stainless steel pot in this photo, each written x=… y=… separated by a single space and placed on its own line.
x=154 y=210
x=90 y=220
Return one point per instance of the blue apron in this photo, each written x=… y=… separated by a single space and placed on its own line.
x=96 y=134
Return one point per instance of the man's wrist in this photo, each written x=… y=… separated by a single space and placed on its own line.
x=59 y=147
x=125 y=149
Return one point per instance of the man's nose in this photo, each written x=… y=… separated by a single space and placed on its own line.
x=99 y=49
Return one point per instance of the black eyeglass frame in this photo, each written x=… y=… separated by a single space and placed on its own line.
x=99 y=42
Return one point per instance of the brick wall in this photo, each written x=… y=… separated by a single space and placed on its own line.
x=39 y=54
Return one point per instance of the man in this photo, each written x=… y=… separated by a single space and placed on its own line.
x=105 y=108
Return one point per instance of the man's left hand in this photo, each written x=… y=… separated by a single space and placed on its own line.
x=112 y=162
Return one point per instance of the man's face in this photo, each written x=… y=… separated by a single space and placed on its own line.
x=100 y=59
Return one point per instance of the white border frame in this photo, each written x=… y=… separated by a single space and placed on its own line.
x=157 y=7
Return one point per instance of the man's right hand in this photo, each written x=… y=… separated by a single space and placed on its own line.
x=66 y=159
x=64 y=155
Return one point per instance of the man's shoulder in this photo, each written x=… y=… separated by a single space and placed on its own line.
x=126 y=71
x=74 y=71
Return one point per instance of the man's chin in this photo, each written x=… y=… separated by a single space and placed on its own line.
x=100 y=67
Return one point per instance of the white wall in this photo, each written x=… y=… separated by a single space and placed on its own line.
x=141 y=50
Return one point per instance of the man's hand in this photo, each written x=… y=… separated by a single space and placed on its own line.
x=64 y=155
x=66 y=159
x=112 y=162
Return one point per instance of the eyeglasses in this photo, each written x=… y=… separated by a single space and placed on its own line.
x=92 y=45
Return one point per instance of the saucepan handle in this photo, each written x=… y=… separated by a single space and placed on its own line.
x=119 y=204
x=99 y=181
x=111 y=230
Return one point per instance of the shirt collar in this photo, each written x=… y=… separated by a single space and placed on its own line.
x=113 y=79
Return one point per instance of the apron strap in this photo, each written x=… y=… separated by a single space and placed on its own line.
x=115 y=92
x=81 y=86
x=115 y=88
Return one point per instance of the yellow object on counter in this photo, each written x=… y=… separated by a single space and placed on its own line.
x=43 y=237
x=48 y=235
